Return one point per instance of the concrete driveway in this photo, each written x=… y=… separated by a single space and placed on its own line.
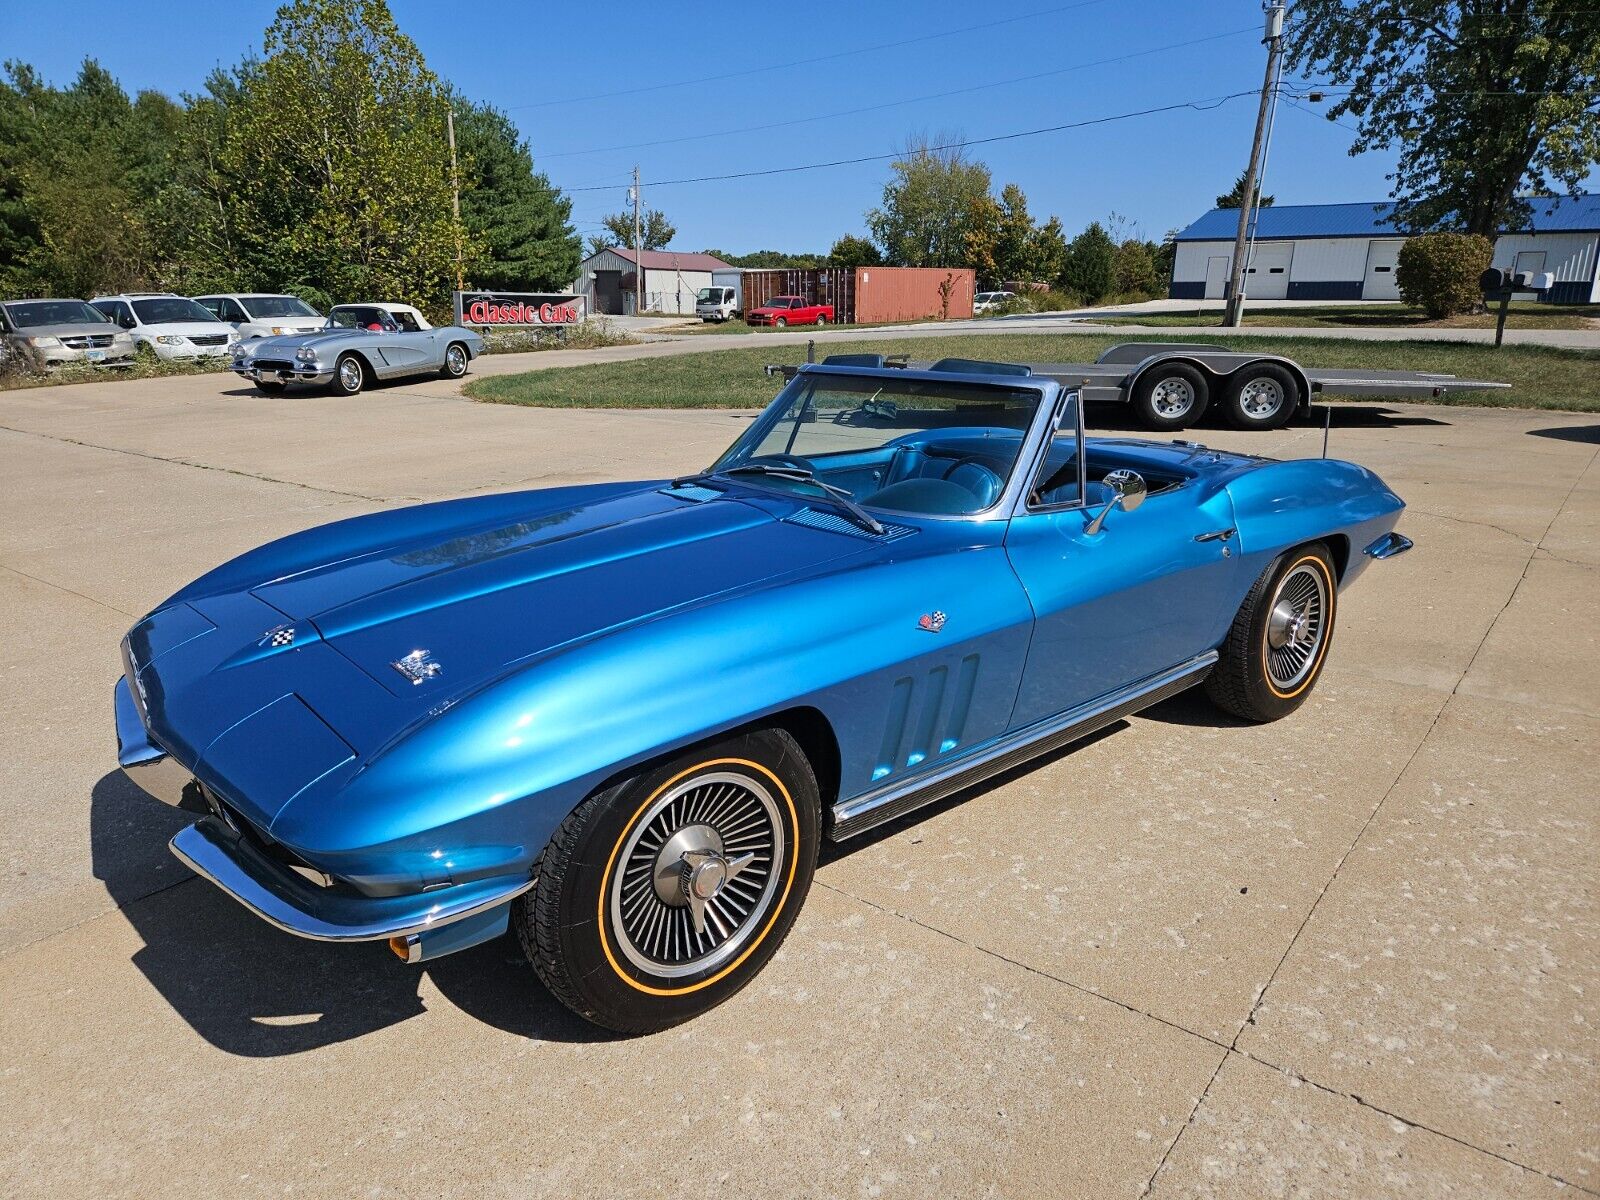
x=1350 y=954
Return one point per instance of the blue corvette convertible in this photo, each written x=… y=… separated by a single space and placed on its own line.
x=620 y=718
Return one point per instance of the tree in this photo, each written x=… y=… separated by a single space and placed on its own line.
x=1484 y=100
x=1090 y=263
x=1234 y=196
x=980 y=241
x=1016 y=244
x=853 y=251
x=1048 y=251
x=520 y=222
x=1133 y=268
x=338 y=159
x=928 y=204
x=655 y=231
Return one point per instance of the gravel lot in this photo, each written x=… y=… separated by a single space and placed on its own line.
x=1353 y=953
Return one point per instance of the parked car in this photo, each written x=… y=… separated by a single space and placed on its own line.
x=263 y=314
x=989 y=301
x=45 y=334
x=716 y=303
x=620 y=718
x=358 y=343
x=171 y=326
x=789 y=310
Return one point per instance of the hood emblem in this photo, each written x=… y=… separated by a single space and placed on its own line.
x=931 y=622
x=417 y=666
x=283 y=635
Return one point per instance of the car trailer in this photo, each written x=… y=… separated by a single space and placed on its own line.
x=1171 y=384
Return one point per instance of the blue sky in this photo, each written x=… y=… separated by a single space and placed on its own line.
x=551 y=65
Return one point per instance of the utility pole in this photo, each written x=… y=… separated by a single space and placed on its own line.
x=1273 y=37
x=455 y=190
x=638 y=249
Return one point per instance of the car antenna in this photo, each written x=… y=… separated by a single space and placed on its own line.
x=1327 y=424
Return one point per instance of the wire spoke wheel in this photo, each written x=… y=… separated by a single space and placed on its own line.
x=1296 y=626
x=697 y=875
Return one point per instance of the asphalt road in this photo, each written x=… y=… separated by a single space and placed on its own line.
x=1353 y=953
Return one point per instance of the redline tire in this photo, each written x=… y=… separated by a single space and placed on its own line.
x=608 y=926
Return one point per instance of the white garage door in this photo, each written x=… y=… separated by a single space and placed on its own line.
x=1267 y=276
x=1382 y=258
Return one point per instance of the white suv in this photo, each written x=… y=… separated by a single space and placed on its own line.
x=172 y=326
x=262 y=314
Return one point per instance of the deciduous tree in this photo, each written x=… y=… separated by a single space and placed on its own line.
x=655 y=231
x=928 y=205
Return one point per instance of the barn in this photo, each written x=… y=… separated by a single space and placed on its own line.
x=1349 y=251
x=671 y=280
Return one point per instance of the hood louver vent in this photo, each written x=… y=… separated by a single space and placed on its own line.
x=834 y=523
x=692 y=491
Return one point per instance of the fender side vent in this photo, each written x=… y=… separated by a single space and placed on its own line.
x=832 y=522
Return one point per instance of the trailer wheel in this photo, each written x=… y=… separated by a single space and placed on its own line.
x=1170 y=396
x=1261 y=396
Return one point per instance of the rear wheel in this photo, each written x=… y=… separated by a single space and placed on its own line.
x=1171 y=396
x=1279 y=640
x=822 y=318
x=662 y=896
x=350 y=376
x=1262 y=396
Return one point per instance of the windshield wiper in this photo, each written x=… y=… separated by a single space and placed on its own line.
x=838 y=495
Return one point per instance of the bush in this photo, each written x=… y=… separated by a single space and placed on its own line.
x=1438 y=272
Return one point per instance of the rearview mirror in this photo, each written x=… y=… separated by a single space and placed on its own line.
x=1128 y=488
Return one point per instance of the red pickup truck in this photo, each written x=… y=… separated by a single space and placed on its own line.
x=789 y=310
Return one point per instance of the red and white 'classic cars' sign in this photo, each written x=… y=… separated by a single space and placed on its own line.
x=512 y=309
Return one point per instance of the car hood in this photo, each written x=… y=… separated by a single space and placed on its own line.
x=481 y=600
x=299 y=325
x=68 y=329
x=186 y=328
x=287 y=343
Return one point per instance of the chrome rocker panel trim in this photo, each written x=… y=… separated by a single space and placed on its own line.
x=904 y=795
x=1390 y=545
x=212 y=850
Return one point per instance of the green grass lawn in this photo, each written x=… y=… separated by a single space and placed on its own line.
x=1542 y=376
x=1524 y=315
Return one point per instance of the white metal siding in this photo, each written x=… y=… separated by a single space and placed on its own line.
x=1329 y=260
x=1189 y=263
x=673 y=292
x=1570 y=256
x=1381 y=281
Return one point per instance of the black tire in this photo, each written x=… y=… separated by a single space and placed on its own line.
x=1261 y=396
x=1258 y=680
x=1171 y=396
x=456 y=358
x=587 y=926
x=349 y=375
x=269 y=387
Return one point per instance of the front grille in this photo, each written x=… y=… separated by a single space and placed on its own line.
x=272 y=364
x=86 y=341
x=210 y=339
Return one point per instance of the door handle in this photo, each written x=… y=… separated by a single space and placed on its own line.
x=1216 y=535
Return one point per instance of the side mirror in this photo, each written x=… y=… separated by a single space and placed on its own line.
x=1130 y=490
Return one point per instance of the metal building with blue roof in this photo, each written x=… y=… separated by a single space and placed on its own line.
x=1349 y=251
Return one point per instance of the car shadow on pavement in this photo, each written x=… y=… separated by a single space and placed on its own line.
x=1587 y=434
x=252 y=990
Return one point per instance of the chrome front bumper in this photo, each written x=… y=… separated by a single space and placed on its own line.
x=308 y=374
x=214 y=850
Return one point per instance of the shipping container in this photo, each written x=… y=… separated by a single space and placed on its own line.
x=912 y=293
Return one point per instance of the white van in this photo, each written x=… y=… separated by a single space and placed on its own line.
x=262 y=314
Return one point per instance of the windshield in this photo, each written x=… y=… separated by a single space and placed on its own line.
x=709 y=296
x=171 y=308
x=358 y=317
x=277 y=306
x=53 y=312
x=925 y=447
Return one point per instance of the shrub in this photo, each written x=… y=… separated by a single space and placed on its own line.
x=1438 y=272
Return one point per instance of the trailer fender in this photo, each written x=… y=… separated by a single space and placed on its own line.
x=1218 y=372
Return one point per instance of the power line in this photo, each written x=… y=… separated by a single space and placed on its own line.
x=1204 y=105
x=851 y=112
x=805 y=62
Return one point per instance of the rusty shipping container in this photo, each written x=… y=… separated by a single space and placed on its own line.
x=868 y=295
x=912 y=293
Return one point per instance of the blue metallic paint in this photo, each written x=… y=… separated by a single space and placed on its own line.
x=584 y=631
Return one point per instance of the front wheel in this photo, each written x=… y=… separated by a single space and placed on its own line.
x=349 y=377
x=1171 y=396
x=455 y=361
x=661 y=896
x=1279 y=639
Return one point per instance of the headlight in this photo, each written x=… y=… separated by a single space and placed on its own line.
x=121 y=339
x=171 y=339
x=280 y=330
x=240 y=352
x=306 y=354
x=44 y=343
